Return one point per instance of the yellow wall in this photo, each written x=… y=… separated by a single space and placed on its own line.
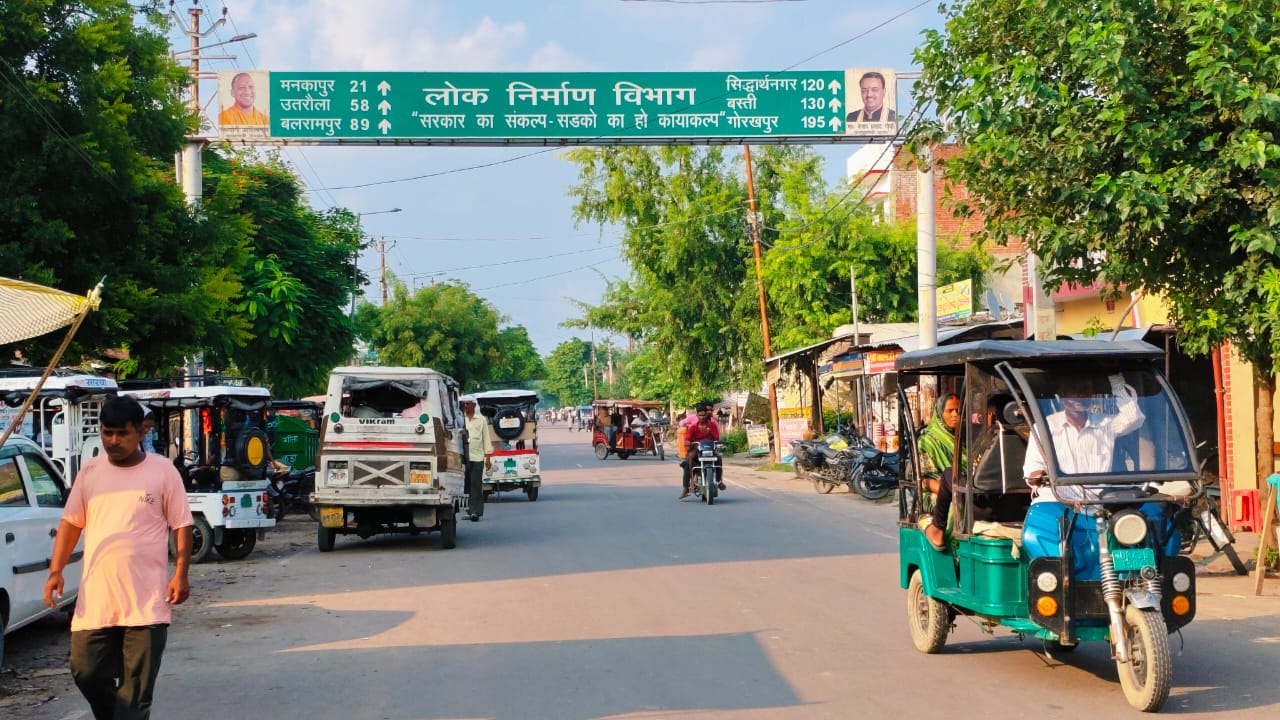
x=1244 y=465
x=1073 y=315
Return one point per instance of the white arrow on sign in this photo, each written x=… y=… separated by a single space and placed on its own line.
x=836 y=125
x=836 y=105
x=385 y=107
x=835 y=87
x=384 y=126
x=384 y=87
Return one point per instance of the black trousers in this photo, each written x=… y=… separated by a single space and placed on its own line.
x=942 y=501
x=116 y=668
x=473 y=485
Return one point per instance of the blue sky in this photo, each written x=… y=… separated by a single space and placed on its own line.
x=519 y=209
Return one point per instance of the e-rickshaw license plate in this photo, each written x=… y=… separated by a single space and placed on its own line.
x=331 y=517
x=1133 y=559
x=506 y=423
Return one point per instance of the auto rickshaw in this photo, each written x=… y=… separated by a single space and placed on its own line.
x=625 y=428
x=513 y=416
x=1095 y=556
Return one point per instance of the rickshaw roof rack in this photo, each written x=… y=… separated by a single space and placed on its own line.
x=647 y=404
x=26 y=371
x=180 y=381
x=945 y=356
x=294 y=404
x=388 y=371
x=512 y=395
x=59 y=384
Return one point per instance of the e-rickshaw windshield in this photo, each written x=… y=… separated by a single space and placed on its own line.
x=1106 y=426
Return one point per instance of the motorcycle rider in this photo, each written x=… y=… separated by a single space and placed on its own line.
x=704 y=428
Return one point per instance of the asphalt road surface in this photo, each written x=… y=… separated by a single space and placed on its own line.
x=609 y=598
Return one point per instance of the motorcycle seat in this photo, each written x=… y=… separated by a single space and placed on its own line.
x=826 y=451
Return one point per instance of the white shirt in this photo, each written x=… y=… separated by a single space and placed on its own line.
x=1087 y=450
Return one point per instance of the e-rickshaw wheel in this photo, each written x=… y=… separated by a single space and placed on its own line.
x=929 y=619
x=602 y=451
x=237 y=543
x=662 y=455
x=201 y=540
x=624 y=454
x=532 y=492
x=1148 y=674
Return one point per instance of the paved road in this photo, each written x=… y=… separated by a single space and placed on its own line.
x=609 y=598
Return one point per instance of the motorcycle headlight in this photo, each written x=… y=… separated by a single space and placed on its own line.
x=1129 y=528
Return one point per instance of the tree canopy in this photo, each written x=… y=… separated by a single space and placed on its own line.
x=1130 y=140
x=90 y=117
x=691 y=299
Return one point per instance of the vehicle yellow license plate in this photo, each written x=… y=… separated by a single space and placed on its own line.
x=331 y=517
x=419 y=477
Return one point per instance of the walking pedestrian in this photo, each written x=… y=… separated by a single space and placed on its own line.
x=125 y=502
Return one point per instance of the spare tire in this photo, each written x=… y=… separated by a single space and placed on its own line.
x=513 y=425
x=251 y=449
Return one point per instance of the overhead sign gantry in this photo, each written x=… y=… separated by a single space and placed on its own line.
x=576 y=108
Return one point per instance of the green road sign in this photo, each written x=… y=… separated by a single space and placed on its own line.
x=543 y=108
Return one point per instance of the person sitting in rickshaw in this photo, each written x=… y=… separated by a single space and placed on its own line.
x=637 y=424
x=937 y=447
x=705 y=428
x=1084 y=442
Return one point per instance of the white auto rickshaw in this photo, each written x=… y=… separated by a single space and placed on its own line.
x=513 y=416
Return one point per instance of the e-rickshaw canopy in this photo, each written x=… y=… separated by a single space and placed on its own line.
x=953 y=357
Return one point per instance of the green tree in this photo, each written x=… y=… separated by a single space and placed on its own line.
x=1129 y=140
x=445 y=327
x=564 y=377
x=296 y=279
x=90 y=118
x=518 y=361
x=807 y=274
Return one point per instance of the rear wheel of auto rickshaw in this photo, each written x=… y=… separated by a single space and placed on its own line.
x=602 y=451
x=624 y=454
x=449 y=532
x=325 y=537
x=821 y=486
x=1148 y=674
x=662 y=454
x=927 y=617
x=237 y=544
x=201 y=540
x=532 y=492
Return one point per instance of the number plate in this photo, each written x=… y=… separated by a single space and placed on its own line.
x=1133 y=559
x=331 y=517
x=419 y=477
x=505 y=423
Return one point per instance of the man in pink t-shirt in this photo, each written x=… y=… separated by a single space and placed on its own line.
x=126 y=502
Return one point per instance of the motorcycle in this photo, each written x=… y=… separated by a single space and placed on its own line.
x=705 y=469
x=827 y=463
x=876 y=473
x=290 y=490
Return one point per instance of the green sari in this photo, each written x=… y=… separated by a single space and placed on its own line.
x=937 y=443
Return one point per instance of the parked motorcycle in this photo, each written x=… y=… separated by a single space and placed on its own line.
x=290 y=490
x=705 y=470
x=827 y=462
x=876 y=473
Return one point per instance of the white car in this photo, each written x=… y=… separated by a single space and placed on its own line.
x=31 y=498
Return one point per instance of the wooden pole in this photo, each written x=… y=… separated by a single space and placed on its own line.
x=775 y=451
x=1266 y=539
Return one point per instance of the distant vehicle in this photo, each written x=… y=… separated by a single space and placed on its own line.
x=213 y=428
x=293 y=428
x=514 y=417
x=32 y=495
x=635 y=434
x=63 y=419
x=390 y=455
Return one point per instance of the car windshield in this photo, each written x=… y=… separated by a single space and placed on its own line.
x=1108 y=424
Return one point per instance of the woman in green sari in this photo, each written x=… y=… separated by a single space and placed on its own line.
x=937 y=447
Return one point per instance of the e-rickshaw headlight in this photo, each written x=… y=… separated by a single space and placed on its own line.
x=1047 y=582
x=1181 y=582
x=1129 y=527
